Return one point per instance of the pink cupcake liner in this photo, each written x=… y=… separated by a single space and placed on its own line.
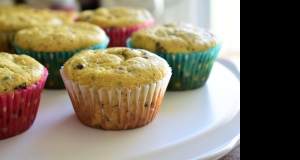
x=19 y=109
x=119 y=35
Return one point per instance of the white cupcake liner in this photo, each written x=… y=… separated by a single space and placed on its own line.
x=116 y=109
x=6 y=42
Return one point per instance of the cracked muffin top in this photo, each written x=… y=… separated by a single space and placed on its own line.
x=116 y=67
x=17 y=72
x=116 y=16
x=68 y=37
x=174 y=38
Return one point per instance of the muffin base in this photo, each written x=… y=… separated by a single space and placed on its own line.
x=54 y=60
x=190 y=70
x=119 y=35
x=116 y=109
x=19 y=109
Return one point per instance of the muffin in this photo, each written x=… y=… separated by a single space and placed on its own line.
x=191 y=51
x=118 y=22
x=22 y=81
x=117 y=88
x=52 y=46
x=13 y=21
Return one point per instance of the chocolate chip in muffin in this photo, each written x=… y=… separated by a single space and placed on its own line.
x=146 y=105
x=20 y=87
x=151 y=105
x=88 y=17
x=107 y=119
x=160 y=48
x=120 y=68
x=79 y=66
x=7 y=78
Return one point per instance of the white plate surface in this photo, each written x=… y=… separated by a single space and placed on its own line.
x=198 y=124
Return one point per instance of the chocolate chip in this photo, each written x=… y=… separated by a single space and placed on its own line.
x=160 y=48
x=107 y=119
x=7 y=78
x=88 y=17
x=79 y=66
x=20 y=87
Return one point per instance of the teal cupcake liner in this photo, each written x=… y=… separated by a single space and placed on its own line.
x=53 y=61
x=190 y=70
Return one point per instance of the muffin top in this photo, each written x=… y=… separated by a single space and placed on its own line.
x=174 y=38
x=68 y=37
x=116 y=16
x=17 y=20
x=17 y=72
x=115 y=67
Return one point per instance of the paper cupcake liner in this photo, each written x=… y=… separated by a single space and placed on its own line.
x=119 y=35
x=6 y=42
x=190 y=70
x=19 y=109
x=116 y=109
x=54 y=60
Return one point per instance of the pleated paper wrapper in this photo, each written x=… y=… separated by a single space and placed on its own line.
x=116 y=109
x=19 y=109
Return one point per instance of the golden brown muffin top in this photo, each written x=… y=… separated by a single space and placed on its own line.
x=116 y=16
x=174 y=38
x=68 y=37
x=17 y=72
x=17 y=20
x=116 y=67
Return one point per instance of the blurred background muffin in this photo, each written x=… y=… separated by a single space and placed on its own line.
x=190 y=51
x=22 y=81
x=13 y=21
x=116 y=88
x=52 y=46
x=15 y=18
x=118 y=22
